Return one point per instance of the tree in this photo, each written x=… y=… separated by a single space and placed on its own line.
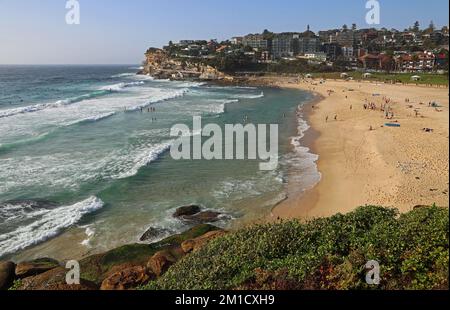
x=345 y=27
x=248 y=48
x=416 y=27
x=267 y=34
x=431 y=27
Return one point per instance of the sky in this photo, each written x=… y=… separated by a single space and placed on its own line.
x=120 y=31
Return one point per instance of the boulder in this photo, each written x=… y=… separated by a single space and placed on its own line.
x=152 y=233
x=98 y=267
x=197 y=243
x=126 y=279
x=54 y=280
x=187 y=210
x=35 y=267
x=203 y=217
x=161 y=262
x=7 y=274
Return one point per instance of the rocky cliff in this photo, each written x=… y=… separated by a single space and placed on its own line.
x=162 y=66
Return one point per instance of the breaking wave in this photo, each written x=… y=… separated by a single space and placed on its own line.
x=94 y=118
x=57 y=104
x=160 y=98
x=120 y=86
x=144 y=158
x=251 y=96
x=45 y=222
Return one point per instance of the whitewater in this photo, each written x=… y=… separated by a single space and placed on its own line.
x=86 y=157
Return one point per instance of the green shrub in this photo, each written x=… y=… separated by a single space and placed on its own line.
x=328 y=253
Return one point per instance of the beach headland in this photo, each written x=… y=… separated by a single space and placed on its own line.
x=362 y=160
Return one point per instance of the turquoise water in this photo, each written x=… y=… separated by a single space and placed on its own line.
x=84 y=165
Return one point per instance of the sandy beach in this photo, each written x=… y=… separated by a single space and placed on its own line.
x=363 y=161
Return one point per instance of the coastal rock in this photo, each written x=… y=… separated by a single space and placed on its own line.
x=54 y=280
x=203 y=217
x=161 y=65
x=161 y=262
x=98 y=267
x=7 y=274
x=35 y=267
x=187 y=211
x=197 y=243
x=152 y=233
x=127 y=279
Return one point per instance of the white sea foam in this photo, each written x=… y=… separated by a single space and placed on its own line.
x=217 y=109
x=27 y=125
x=302 y=163
x=68 y=171
x=48 y=224
x=42 y=106
x=123 y=75
x=228 y=101
x=156 y=98
x=189 y=84
x=11 y=212
x=250 y=96
x=142 y=77
x=94 y=118
x=136 y=68
x=121 y=86
x=90 y=232
x=142 y=159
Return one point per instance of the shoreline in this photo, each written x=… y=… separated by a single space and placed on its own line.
x=384 y=173
x=77 y=235
x=303 y=196
x=337 y=191
x=306 y=203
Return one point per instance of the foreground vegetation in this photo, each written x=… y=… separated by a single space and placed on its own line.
x=329 y=253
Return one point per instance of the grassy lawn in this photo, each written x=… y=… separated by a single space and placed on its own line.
x=426 y=78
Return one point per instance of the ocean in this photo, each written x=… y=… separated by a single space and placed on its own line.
x=85 y=166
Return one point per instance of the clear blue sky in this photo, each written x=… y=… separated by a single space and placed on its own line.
x=119 y=31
